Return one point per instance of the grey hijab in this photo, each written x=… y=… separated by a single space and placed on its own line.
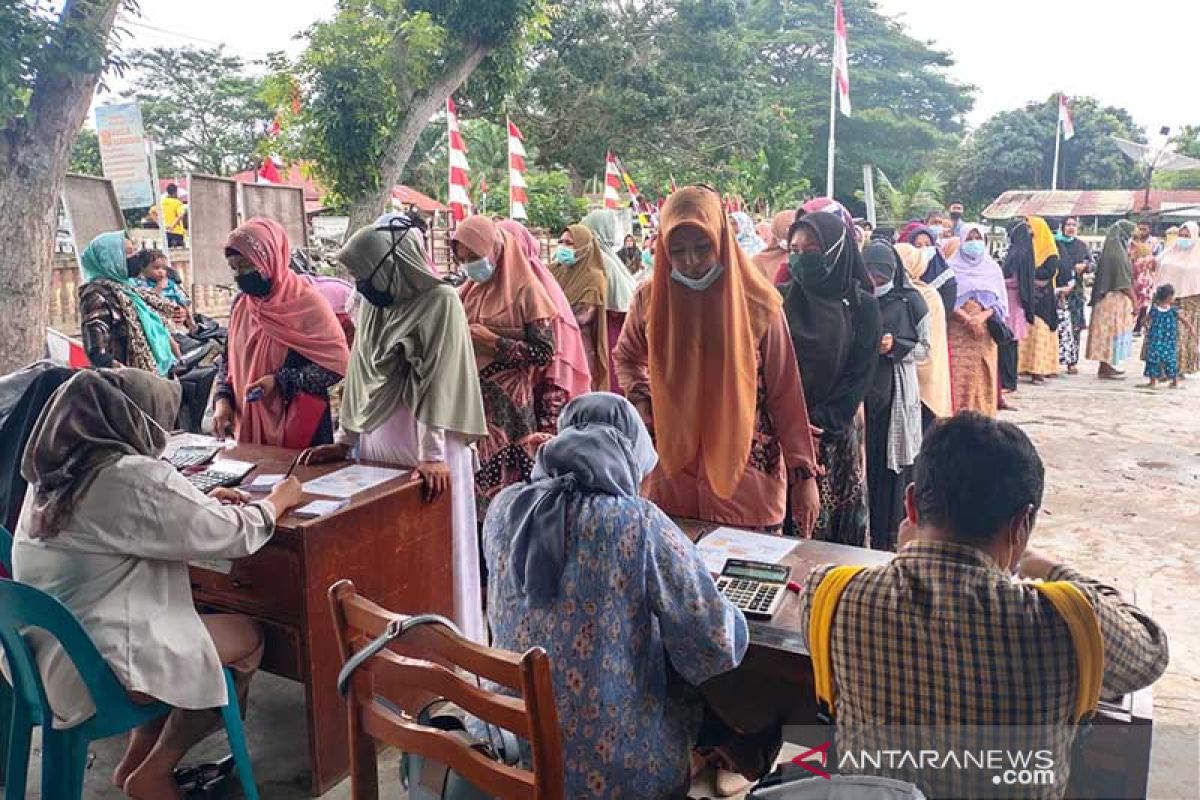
x=416 y=352
x=93 y=420
x=602 y=447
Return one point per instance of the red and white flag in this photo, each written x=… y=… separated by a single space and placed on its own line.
x=1064 y=117
x=517 y=197
x=612 y=182
x=841 y=59
x=460 y=199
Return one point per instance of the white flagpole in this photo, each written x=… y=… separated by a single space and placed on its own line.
x=1057 y=144
x=833 y=91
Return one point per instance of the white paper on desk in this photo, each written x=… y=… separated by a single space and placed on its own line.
x=726 y=543
x=349 y=481
x=189 y=440
x=264 y=483
x=231 y=467
x=319 y=508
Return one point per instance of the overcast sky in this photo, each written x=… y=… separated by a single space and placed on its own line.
x=1141 y=57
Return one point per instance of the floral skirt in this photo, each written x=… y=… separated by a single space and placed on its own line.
x=1038 y=354
x=1068 y=343
x=973 y=370
x=1110 y=333
x=843 y=518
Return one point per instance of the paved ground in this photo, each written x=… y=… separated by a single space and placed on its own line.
x=1122 y=505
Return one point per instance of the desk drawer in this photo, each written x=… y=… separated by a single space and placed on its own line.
x=267 y=585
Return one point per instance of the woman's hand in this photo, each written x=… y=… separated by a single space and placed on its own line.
x=886 y=344
x=806 y=505
x=287 y=494
x=323 y=454
x=266 y=383
x=223 y=418
x=230 y=497
x=436 y=477
x=483 y=335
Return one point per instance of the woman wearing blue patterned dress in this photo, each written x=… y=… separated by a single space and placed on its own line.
x=604 y=581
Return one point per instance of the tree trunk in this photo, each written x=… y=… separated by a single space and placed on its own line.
x=424 y=106
x=34 y=153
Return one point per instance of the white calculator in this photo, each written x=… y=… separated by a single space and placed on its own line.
x=756 y=587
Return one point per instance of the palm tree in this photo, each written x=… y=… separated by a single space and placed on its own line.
x=919 y=194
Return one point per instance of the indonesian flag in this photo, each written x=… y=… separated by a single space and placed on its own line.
x=460 y=199
x=612 y=182
x=268 y=172
x=1064 y=117
x=638 y=201
x=841 y=59
x=517 y=197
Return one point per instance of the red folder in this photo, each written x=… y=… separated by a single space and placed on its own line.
x=304 y=415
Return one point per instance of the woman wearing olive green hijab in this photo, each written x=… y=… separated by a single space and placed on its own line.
x=412 y=391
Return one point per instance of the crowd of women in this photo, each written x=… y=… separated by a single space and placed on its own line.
x=777 y=378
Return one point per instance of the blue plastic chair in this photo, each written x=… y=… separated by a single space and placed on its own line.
x=64 y=752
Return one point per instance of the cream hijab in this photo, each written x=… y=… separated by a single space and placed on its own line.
x=1181 y=268
x=933 y=374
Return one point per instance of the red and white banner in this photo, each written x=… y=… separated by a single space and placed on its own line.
x=1064 y=117
x=460 y=199
x=612 y=182
x=841 y=59
x=517 y=196
x=268 y=172
x=65 y=351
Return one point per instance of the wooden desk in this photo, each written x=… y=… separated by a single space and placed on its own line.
x=775 y=682
x=389 y=541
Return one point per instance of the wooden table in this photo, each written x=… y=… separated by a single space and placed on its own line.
x=388 y=540
x=775 y=681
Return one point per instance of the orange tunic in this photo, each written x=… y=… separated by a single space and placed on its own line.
x=782 y=439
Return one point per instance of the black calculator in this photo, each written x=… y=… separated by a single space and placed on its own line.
x=756 y=587
x=192 y=456
x=211 y=479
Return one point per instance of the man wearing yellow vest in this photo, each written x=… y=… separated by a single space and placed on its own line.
x=967 y=626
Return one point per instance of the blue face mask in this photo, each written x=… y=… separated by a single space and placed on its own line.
x=480 y=270
x=928 y=253
x=701 y=283
x=647 y=258
x=938 y=230
x=564 y=255
x=974 y=248
x=1185 y=244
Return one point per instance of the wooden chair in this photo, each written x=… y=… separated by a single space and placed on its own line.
x=427 y=662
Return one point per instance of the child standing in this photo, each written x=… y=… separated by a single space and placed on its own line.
x=1162 y=337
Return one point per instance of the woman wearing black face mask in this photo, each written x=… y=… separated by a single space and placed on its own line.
x=285 y=348
x=836 y=331
x=412 y=394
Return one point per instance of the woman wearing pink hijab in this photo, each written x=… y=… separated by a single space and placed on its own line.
x=569 y=371
x=285 y=347
x=511 y=318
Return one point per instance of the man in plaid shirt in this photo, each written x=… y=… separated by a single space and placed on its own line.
x=944 y=635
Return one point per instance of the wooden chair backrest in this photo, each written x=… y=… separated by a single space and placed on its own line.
x=426 y=663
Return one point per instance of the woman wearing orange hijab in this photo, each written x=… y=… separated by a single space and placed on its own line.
x=706 y=358
x=511 y=320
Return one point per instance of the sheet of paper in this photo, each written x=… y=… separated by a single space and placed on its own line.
x=725 y=543
x=263 y=483
x=221 y=565
x=319 y=508
x=349 y=481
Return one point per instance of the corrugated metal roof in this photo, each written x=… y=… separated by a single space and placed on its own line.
x=1101 y=203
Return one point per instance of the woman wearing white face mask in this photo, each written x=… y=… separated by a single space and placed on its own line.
x=1179 y=266
x=706 y=358
x=510 y=316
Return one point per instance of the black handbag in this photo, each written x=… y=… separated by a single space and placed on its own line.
x=1000 y=332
